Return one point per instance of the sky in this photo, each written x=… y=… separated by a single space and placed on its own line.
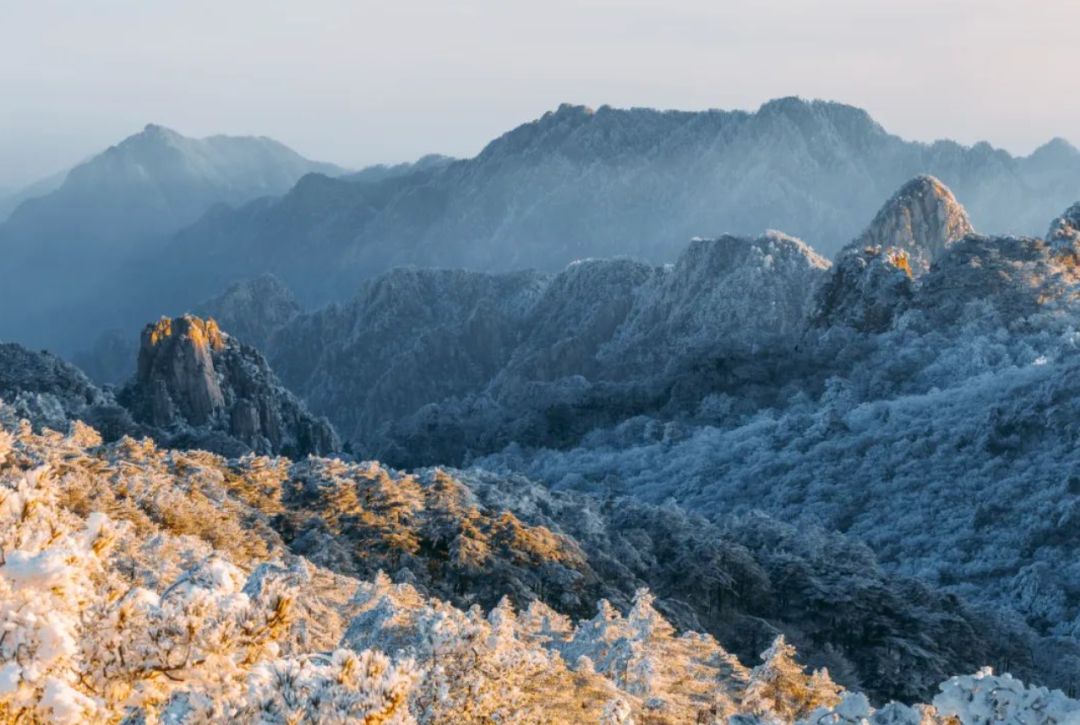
x=359 y=82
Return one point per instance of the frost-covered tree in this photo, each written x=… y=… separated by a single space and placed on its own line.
x=137 y=615
x=81 y=644
x=985 y=698
x=342 y=687
x=780 y=688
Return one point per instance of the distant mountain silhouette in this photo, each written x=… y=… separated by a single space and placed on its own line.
x=58 y=246
x=578 y=183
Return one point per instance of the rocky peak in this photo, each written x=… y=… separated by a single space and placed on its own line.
x=195 y=381
x=1055 y=152
x=1064 y=234
x=157 y=133
x=176 y=363
x=866 y=291
x=922 y=219
x=874 y=277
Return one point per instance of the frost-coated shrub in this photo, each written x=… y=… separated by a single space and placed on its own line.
x=80 y=645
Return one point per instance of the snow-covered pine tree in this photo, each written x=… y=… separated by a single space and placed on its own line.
x=781 y=689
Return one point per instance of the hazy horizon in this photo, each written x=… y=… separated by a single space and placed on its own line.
x=358 y=83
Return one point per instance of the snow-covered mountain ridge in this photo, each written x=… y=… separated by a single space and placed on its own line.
x=577 y=184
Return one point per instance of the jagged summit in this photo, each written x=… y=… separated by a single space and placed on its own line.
x=194 y=377
x=922 y=219
x=1055 y=148
x=572 y=109
x=729 y=252
x=729 y=291
x=1064 y=233
x=798 y=106
x=155 y=131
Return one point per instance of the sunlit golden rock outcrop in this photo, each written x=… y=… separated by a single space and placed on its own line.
x=193 y=375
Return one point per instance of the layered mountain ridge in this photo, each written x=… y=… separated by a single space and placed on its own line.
x=872 y=456
x=57 y=246
x=724 y=384
x=758 y=366
x=576 y=184
x=579 y=183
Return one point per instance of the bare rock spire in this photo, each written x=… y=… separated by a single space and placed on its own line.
x=193 y=380
x=922 y=219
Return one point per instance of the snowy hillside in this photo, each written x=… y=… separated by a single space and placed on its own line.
x=147 y=585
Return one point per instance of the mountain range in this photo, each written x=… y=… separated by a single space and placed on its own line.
x=929 y=371
x=568 y=427
x=578 y=183
x=573 y=184
x=57 y=246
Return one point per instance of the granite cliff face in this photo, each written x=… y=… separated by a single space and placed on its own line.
x=921 y=220
x=195 y=381
x=176 y=368
x=876 y=274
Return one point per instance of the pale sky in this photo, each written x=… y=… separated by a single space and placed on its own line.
x=359 y=82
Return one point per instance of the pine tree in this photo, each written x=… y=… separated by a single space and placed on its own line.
x=780 y=688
